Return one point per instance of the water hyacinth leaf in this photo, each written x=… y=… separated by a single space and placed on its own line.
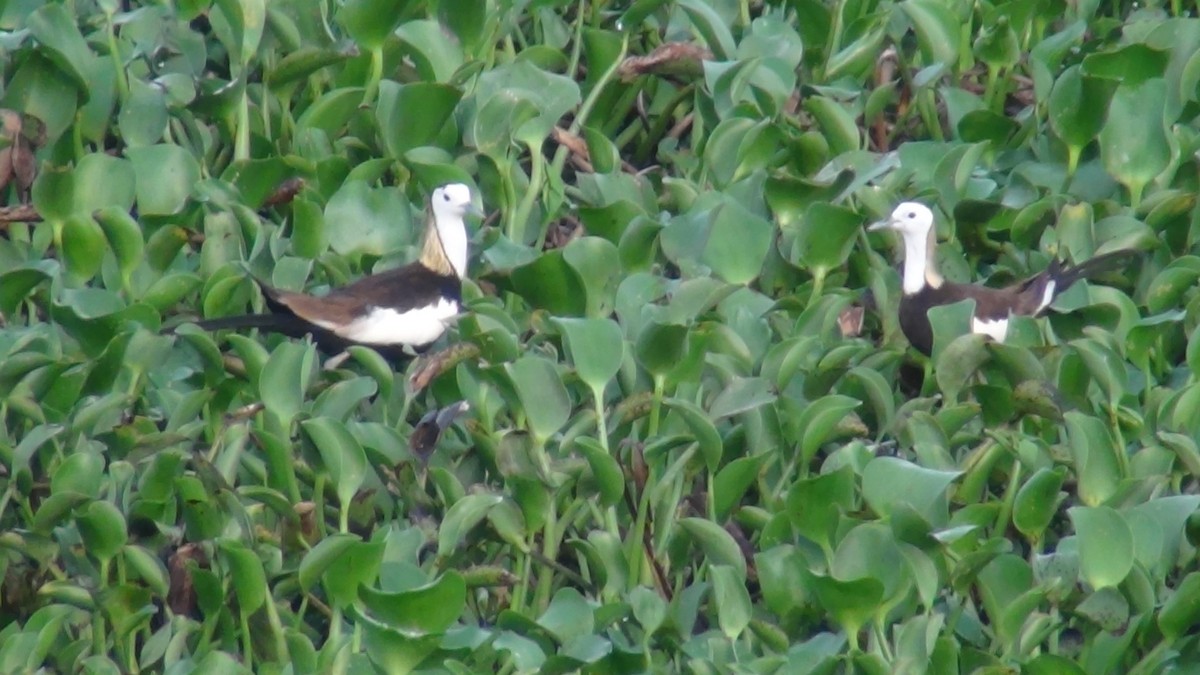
x=596 y=263
x=367 y=220
x=661 y=346
x=330 y=113
x=711 y=27
x=164 y=175
x=937 y=30
x=891 y=481
x=369 y=22
x=411 y=115
x=1076 y=107
x=550 y=95
x=569 y=615
x=703 y=430
x=815 y=504
x=1037 y=501
x=425 y=610
x=322 y=556
x=285 y=379
x=1134 y=145
x=723 y=236
x=249 y=578
x=550 y=283
x=732 y=481
x=543 y=396
x=649 y=608
x=718 y=545
x=816 y=423
x=825 y=236
x=341 y=454
x=610 y=481
x=949 y=322
x=734 y=610
x=83 y=243
x=1105 y=545
x=356 y=567
x=851 y=603
x=957 y=362
x=1097 y=466
x=1181 y=611
x=465 y=514
x=55 y=30
x=81 y=473
x=143 y=117
x=102 y=529
x=597 y=349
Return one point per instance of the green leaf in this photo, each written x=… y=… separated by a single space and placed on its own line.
x=703 y=430
x=249 y=579
x=370 y=22
x=889 y=482
x=710 y=26
x=718 y=545
x=1037 y=501
x=850 y=603
x=322 y=556
x=1134 y=144
x=82 y=246
x=1105 y=545
x=605 y=471
x=937 y=30
x=341 y=454
x=54 y=28
x=368 y=221
x=412 y=115
x=102 y=529
x=1181 y=611
x=285 y=379
x=1076 y=107
x=465 y=514
x=732 y=481
x=543 y=396
x=1097 y=466
x=817 y=422
x=164 y=175
x=425 y=610
x=734 y=610
x=596 y=347
x=825 y=237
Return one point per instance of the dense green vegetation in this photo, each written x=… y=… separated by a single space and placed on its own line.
x=679 y=452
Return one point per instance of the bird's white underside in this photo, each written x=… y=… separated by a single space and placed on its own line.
x=385 y=326
x=997 y=329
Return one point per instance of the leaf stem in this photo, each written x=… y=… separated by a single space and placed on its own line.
x=537 y=176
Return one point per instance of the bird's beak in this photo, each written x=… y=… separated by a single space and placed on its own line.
x=881 y=225
x=476 y=210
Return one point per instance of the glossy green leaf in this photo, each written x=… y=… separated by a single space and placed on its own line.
x=425 y=610
x=1133 y=145
x=734 y=610
x=717 y=544
x=411 y=115
x=1105 y=545
x=341 y=454
x=1037 y=502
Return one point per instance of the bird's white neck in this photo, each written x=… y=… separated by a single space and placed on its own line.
x=453 y=233
x=445 y=247
x=919 y=268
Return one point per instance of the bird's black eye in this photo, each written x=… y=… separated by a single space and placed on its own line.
x=445 y=197
x=911 y=215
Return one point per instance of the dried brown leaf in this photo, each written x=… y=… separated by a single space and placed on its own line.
x=673 y=59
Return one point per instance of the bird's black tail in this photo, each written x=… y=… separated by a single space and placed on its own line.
x=1101 y=264
x=288 y=325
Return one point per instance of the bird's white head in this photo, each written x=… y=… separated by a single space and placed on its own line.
x=911 y=219
x=452 y=201
x=449 y=204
